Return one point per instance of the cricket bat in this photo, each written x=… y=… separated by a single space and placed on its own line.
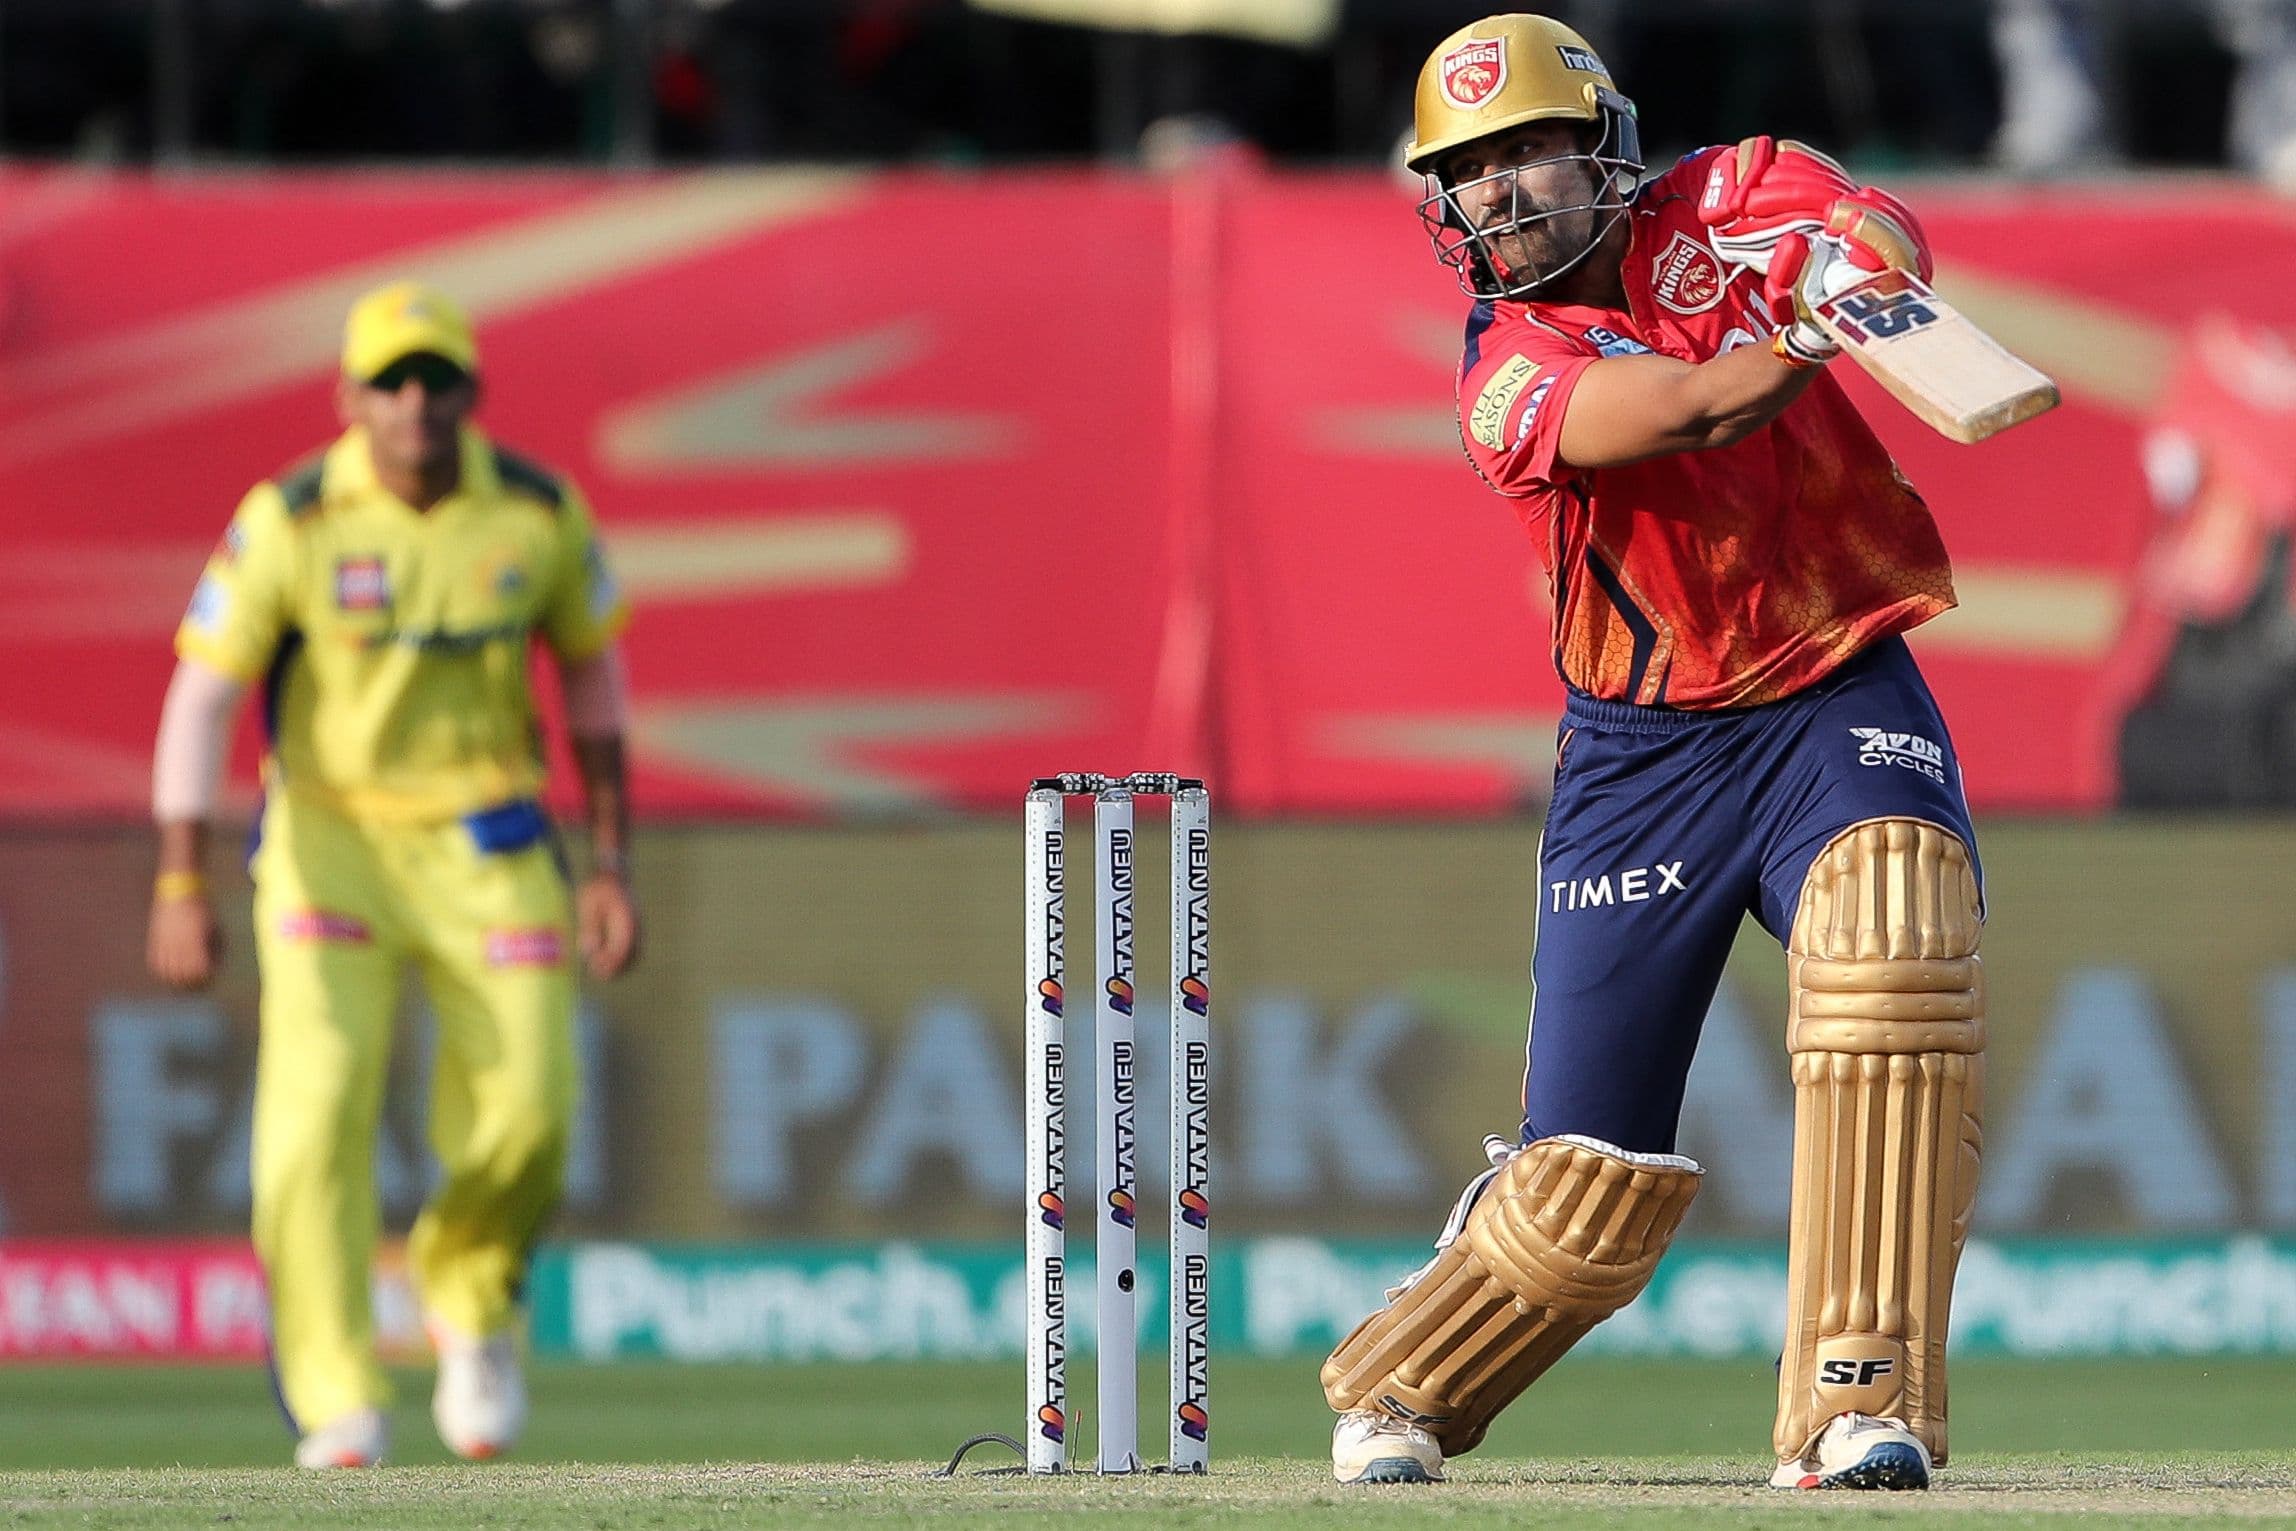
x=1933 y=358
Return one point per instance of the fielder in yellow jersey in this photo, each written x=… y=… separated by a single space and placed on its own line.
x=385 y=595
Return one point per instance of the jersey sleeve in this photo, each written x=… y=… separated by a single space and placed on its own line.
x=243 y=602
x=1511 y=403
x=584 y=609
x=1686 y=177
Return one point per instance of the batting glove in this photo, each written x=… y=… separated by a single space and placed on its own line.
x=1865 y=231
x=1879 y=232
x=1803 y=273
x=1764 y=189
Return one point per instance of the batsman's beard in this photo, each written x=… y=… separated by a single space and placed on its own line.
x=1516 y=247
x=1537 y=244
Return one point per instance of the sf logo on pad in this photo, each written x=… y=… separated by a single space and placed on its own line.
x=1848 y=1372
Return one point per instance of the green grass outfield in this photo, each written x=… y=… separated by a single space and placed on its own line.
x=1598 y=1444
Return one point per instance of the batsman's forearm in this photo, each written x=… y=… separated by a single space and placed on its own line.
x=1629 y=409
x=1739 y=392
x=605 y=798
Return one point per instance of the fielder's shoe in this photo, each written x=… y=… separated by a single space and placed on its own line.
x=356 y=1439
x=1368 y=1446
x=479 y=1404
x=1859 y=1451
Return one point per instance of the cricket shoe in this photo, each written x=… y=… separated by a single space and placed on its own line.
x=1369 y=1446
x=356 y=1439
x=1859 y=1451
x=479 y=1404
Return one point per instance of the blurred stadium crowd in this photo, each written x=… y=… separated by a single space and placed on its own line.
x=2037 y=87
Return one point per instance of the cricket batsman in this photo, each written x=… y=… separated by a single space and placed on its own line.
x=385 y=594
x=1733 y=558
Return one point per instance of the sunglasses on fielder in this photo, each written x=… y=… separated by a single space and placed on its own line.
x=435 y=373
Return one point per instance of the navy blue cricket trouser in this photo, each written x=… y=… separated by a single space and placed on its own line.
x=1665 y=830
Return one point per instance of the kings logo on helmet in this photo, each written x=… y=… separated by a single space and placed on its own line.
x=1474 y=71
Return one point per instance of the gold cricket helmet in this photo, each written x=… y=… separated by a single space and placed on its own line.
x=1484 y=79
x=1502 y=71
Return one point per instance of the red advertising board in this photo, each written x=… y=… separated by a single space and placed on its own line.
x=165 y=1299
x=149 y=1299
x=926 y=484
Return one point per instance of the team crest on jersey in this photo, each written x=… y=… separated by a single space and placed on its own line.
x=1686 y=277
x=1473 y=72
x=362 y=584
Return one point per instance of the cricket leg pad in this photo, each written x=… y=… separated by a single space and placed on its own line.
x=1564 y=1235
x=1886 y=1035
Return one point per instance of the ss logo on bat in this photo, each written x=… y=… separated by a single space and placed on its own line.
x=1882 y=312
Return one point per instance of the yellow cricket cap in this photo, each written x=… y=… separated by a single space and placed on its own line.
x=402 y=320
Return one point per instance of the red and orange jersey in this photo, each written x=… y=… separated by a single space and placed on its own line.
x=1719 y=578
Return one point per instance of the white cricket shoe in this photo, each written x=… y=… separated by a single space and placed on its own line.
x=356 y=1439
x=1368 y=1446
x=479 y=1404
x=1859 y=1451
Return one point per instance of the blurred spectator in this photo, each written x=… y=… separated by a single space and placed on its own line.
x=2262 y=132
x=998 y=81
x=2204 y=674
x=2053 y=115
x=2058 y=109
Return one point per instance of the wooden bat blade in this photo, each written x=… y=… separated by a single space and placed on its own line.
x=1933 y=358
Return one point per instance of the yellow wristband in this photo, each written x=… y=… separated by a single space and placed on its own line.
x=170 y=886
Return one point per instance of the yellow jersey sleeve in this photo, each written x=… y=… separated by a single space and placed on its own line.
x=242 y=605
x=584 y=608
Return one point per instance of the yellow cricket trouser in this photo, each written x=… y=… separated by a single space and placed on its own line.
x=341 y=908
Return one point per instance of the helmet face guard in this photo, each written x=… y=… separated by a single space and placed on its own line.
x=1472 y=250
